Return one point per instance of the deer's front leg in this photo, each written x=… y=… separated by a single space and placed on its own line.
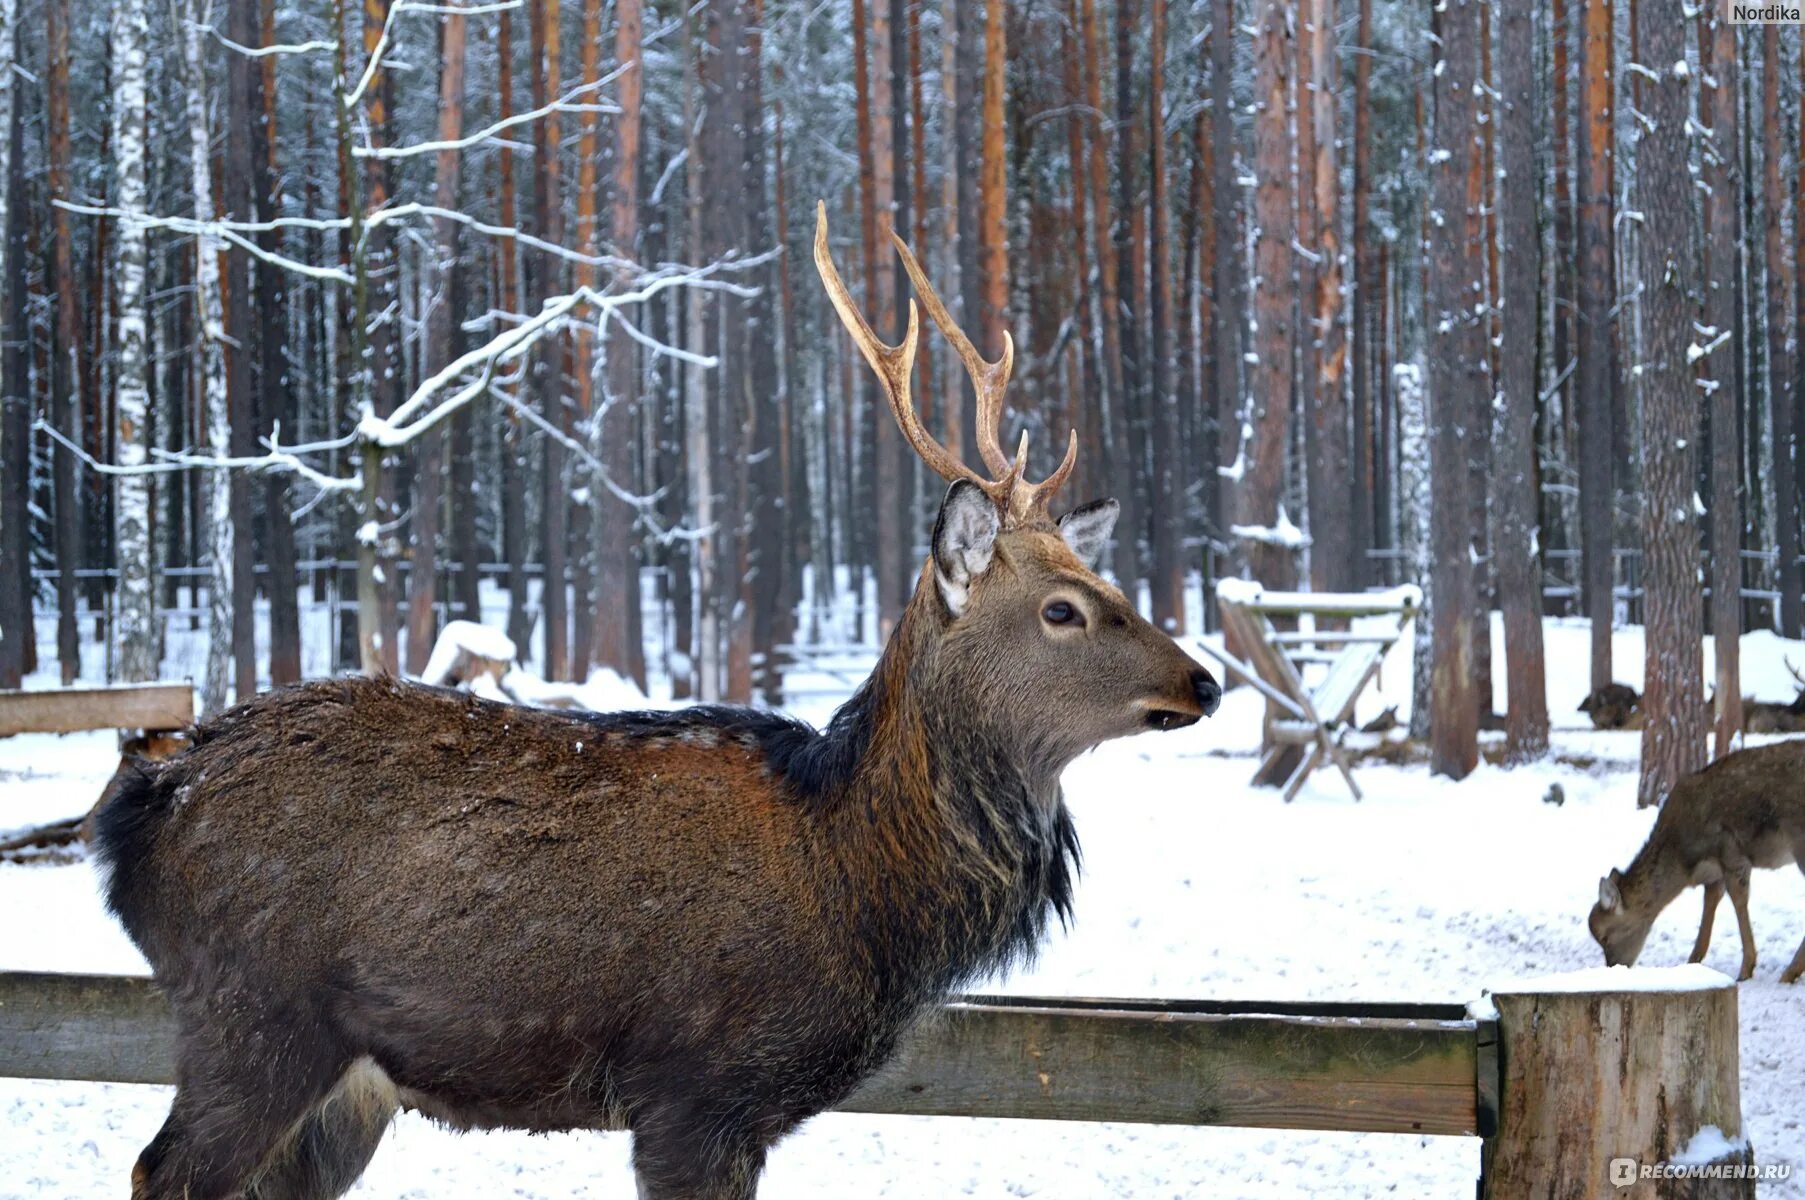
x=1736 y=881
x=1714 y=892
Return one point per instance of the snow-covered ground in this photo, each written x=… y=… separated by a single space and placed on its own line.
x=1194 y=885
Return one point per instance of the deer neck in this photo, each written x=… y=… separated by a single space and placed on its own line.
x=956 y=835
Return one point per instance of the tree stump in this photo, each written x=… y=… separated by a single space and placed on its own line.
x=1609 y=1072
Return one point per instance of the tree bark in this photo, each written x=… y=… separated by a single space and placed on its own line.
x=515 y=468
x=1673 y=702
x=429 y=461
x=1595 y=382
x=548 y=361
x=1720 y=172
x=65 y=356
x=1591 y=1076
x=1333 y=550
x=1109 y=303
x=1456 y=367
x=993 y=245
x=1259 y=499
x=1229 y=298
x=216 y=513
x=1514 y=451
x=17 y=635
x=138 y=643
x=1167 y=577
x=1365 y=517
x=275 y=370
x=1783 y=414
x=385 y=370
x=619 y=644
x=588 y=233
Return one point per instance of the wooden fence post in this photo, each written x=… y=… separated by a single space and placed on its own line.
x=1609 y=1067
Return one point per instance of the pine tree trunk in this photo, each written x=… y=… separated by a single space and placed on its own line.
x=1260 y=490
x=385 y=372
x=275 y=372
x=429 y=460
x=1167 y=577
x=1121 y=482
x=584 y=499
x=1457 y=355
x=65 y=356
x=516 y=469
x=1562 y=300
x=238 y=186
x=1365 y=519
x=548 y=361
x=1781 y=406
x=619 y=644
x=1514 y=451
x=1673 y=702
x=993 y=243
x=138 y=648
x=884 y=440
x=1720 y=172
x=1595 y=382
x=1230 y=298
x=16 y=632
x=1332 y=546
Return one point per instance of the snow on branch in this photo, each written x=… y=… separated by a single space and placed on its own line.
x=278 y=459
x=561 y=104
x=265 y=51
x=418 y=414
x=223 y=230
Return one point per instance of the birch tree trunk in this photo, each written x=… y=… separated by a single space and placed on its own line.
x=1673 y=703
x=217 y=517
x=137 y=633
x=1513 y=454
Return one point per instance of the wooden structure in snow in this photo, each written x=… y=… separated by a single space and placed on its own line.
x=1285 y=636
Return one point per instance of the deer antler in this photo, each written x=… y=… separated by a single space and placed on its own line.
x=1020 y=502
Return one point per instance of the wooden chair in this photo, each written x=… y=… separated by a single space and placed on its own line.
x=1311 y=717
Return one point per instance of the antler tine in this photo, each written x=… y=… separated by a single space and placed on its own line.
x=893 y=364
x=989 y=380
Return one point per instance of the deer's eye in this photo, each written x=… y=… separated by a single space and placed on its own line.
x=1060 y=612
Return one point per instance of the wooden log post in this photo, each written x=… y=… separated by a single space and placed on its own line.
x=1617 y=1083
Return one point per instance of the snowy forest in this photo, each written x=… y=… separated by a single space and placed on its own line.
x=326 y=324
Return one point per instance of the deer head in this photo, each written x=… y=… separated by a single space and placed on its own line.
x=1021 y=623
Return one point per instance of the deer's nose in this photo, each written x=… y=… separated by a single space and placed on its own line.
x=1207 y=691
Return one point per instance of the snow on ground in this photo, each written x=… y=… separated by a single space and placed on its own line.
x=1194 y=885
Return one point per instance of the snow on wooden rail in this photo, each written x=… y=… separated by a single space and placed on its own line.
x=1352 y=1067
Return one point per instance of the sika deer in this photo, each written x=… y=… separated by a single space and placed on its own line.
x=1745 y=810
x=703 y=926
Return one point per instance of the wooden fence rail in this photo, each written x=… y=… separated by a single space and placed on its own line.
x=1406 y=1069
x=1568 y=1080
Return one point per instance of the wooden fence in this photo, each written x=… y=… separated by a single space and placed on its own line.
x=1380 y=1068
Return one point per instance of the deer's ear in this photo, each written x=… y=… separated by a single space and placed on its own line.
x=1609 y=897
x=1086 y=530
x=965 y=536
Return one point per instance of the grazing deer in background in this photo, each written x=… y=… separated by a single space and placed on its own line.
x=1744 y=811
x=704 y=926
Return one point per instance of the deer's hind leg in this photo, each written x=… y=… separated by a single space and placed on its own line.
x=326 y=1151
x=239 y=1096
x=1797 y=967
x=1736 y=882
x=1714 y=894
